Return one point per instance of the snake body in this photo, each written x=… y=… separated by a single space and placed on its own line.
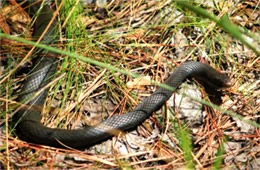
x=28 y=118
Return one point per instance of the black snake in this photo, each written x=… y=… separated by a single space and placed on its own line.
x=28 y=118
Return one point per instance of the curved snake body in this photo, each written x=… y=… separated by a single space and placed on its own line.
x=30 y=128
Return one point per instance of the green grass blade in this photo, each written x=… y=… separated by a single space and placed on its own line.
x=223 y=22
x=186 y=145
x=219 y=157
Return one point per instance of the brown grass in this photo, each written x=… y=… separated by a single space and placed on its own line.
x=149 y=38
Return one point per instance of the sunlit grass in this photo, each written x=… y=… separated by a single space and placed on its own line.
x=109 y=48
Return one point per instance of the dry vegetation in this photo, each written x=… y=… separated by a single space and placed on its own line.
x=149 y=38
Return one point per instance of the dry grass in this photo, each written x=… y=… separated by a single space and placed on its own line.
x=148 y=38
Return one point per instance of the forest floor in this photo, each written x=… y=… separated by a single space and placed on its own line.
x=148 y=38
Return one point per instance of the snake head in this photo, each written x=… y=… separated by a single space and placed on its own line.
x=214 y=80
x=222 y=81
